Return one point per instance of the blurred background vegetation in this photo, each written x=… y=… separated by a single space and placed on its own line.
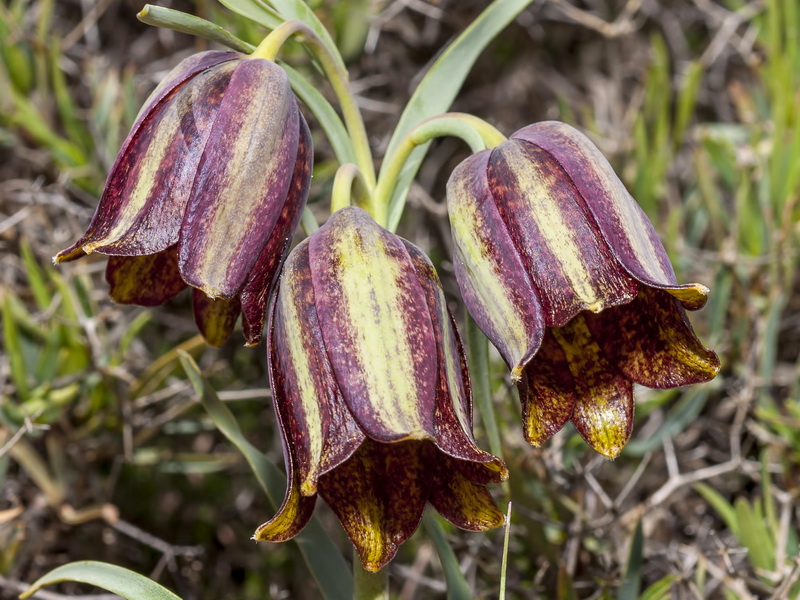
x=105 y=452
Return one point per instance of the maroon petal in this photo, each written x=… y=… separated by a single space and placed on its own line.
x=379 y=496
x=148 y=186
x=622 y=222
x=377 y=329
x=559 y=244
x=215 y=318
x=547 y=392
x=259 y=283
x=314 y=417
x=242 y=181
x=453 y=415
x=603 y=411
x=465 y=504
x=147 y=280
x=652 y=342
x=494 y=284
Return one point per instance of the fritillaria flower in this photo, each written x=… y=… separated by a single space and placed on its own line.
x=372 y=392
x=206 y=191
x=565 y=274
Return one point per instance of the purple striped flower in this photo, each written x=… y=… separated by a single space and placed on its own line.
x=372 y=392
x=565 y=274
x=206 y=191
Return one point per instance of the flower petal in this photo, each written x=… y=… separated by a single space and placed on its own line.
x=215 y=318
x=465 y=504
x=622 y=222
x=297 y=509
x=568 y=261
x=547 y=392
x=242 y=180
x=314 y=416
x=147 y=280
x=379 y=496
x=603 y=411
x=453 y=417
x=260 y=281
x=148 y=186
x=377 y=331
x=494 y=284
x=652 y=342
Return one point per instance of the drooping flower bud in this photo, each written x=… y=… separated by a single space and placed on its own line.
x=207 y=190
x=371 y=392
x=564 y=273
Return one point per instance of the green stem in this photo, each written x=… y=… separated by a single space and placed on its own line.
x=338 y=78
x=348 y=183
x=369 y=586
x=308 y=221
x=476 y=133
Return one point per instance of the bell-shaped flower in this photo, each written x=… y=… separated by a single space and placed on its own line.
x=372 y=392
x=564 y=273
x=206 y=191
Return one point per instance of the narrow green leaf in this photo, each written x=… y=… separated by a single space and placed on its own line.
x=631 y=584
x=719 y=504
x=158 y=16
x=36 y=279
x=660 y=590
x=115 y=579
x=324 y=560
x=437 y=90
x=457 y=586
x=255 y=10
x=326 y=115
x=13 y=349
x=754 y=536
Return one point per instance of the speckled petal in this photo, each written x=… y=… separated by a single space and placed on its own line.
x=651 y=342
x=465 y=504
x=603 y=411
x=147 y=280
x=260 y=280
x=547 y=392
x=622 y=222
x=494 y=284
x=379 y=496
x=453 y=417
x=297 y=509
x=148 y=186
x=242 y=180
x=568 y=261
x=215 y=318
x=376 y=326
x=314 y=417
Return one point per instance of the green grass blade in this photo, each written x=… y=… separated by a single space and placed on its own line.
x=660 y=590
x=457 y=586
x=719 y=504
x=255 y=10
x=437 y=90
x=631 y=584
x=115 y=579
x=324 y=560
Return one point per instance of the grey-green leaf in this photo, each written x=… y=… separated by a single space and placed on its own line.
x=115 y=579
x=255 y=10
x=438 y=89
x=168 y=18
x=326 y=563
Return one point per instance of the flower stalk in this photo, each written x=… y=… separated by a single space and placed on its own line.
x=338 y=78
x=475 y=132
x=349 y=185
